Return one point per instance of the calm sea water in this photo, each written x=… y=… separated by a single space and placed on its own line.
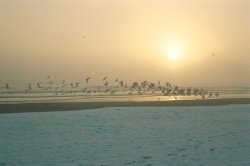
x=141 y=136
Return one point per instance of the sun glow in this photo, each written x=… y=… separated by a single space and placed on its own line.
x=173 y=53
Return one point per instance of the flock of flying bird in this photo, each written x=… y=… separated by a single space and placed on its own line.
x=114 y=87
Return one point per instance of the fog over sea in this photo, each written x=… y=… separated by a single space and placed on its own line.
x=124 y=83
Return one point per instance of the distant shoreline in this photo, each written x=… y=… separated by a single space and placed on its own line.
x=70 y=106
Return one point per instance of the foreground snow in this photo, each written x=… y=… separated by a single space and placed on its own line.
x=215 y=135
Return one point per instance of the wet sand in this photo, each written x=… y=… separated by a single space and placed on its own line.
x=70 y=106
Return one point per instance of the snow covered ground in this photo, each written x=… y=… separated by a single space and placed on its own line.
x=141 y=136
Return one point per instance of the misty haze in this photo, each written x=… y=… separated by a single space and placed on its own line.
x=124 y=82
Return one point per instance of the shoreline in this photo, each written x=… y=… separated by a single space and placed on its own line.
x=71 y=106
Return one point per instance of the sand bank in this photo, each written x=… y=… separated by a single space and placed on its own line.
x=69 y=106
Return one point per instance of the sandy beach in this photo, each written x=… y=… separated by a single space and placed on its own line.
x=69 y=106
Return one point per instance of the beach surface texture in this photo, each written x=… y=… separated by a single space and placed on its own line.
x=124 y=136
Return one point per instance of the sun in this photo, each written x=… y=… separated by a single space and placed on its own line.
x=173 y=53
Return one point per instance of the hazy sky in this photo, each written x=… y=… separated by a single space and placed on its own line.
x=128 y=39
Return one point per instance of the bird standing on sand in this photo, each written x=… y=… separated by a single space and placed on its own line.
x=121 y=83
x=7 y=86
x=217 y=94
x=51 y=82
x=29 y=86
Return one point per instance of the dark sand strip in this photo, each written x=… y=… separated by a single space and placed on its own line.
x=69 y=106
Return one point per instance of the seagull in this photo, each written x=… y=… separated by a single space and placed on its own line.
x=39 y=85
x=210 y=94
x=89 y=91
x=217 y=94
x=107 y=90
x=121 y=83
x=7 y=86
x=74 y=86
x=159 y=83
x=29 y=86
x=106 y=83
x=104 y=78
x=63 y=81
x=87 y=79
x=51 y=82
